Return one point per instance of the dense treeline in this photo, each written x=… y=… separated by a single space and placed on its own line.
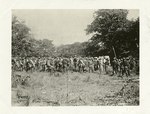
x=24 y=43
x=76 y=48
x=114 y=35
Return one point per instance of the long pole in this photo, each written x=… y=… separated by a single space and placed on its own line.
x=67 y=89
x=114 y=51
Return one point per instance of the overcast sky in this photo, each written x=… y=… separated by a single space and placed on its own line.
x=61 y=26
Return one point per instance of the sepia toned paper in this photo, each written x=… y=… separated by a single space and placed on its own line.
x=6 y=10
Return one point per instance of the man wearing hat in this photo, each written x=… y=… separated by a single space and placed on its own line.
x=99 y=61
x=47 y=64
x=114 y=65
x=71 y=63
x=95 y=63
x=90 y=65
x=106 y=64
x=38 y=63
x=121 y=67
x=75 y=62
x=127 y=66
x=81 y=65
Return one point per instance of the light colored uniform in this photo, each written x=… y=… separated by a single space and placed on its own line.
x=91 y=65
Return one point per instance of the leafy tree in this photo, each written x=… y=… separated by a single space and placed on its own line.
x=20 y=33
x=24 y=44
x=112 y=33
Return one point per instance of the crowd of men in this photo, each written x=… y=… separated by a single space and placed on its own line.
x=76 y=64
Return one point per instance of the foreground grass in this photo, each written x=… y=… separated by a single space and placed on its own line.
x=75 y=89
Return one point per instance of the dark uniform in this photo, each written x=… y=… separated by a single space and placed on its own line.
x=127 y=67
x=95 y=64
x=75 y=63
x=65 y=65
x=133 y=65
x=106 y=65
x=121 y=65
x=115 y=66
x=56 y=62
x=37 y=64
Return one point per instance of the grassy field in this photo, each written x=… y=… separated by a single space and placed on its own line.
x=74 y=89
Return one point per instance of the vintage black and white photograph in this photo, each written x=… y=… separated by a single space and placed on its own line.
x=75 y=57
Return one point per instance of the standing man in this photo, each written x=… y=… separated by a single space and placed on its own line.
x=106 y=65
x=81 y=65
x=71 y=64
x=44 y=64
x=95 y=63
x=91 y=65
x=127 y=66
x=99 y=65
x=121 y=67
x=114 y=65
x=75 y=62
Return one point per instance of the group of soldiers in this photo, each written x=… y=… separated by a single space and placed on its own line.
x=125 y=65
x=78 y=64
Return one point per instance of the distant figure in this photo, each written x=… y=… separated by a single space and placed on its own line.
x=75 y=62
x=81 y=65
x=127 y=66
x=115 y=66
x=90 y=65
x=95 y=64
x=106 y=64
x=99 y=62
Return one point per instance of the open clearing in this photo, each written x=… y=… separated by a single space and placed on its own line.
x=84 y=89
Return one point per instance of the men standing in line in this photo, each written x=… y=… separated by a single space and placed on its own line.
x=125 y=67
